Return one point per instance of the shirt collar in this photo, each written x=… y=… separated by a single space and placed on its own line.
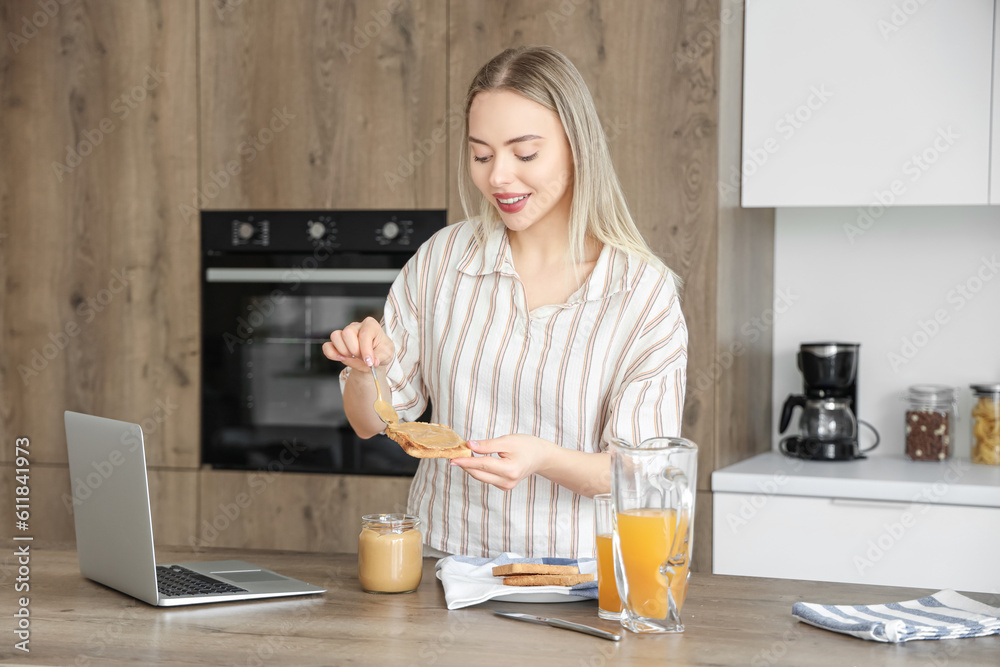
x=614 y=272
x=491 y=257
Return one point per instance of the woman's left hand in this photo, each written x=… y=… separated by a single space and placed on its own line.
x=520 y=456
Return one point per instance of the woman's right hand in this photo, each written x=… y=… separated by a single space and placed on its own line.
x=360 y=345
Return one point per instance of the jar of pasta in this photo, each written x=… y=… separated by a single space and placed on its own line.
x=986 y=423
x=930 y=422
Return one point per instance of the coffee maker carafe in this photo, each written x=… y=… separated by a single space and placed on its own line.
x=828 y=425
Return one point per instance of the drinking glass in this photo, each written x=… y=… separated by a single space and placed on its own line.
x=653 y=495
x=609 y=605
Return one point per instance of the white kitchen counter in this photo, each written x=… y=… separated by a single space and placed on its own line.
x=955 y=482
x=872 y=521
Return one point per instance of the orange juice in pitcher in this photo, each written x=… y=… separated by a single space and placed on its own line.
x=646 y=535
x=653 y=493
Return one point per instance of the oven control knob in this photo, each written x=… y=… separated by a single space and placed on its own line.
x=390 y=230
x=317 y=230
x=245 y=231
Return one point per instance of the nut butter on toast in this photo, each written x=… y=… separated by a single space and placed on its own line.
x=428 y=441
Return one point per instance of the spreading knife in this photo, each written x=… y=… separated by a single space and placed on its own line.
x=559 y=623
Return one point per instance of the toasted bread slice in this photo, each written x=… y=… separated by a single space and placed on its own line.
x=531 y=568
x=547 y=579
x=428 y=441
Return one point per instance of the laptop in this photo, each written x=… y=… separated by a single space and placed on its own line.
x=114 y=527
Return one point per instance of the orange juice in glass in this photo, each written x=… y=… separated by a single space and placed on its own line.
x=652 y=486
x=609 y=606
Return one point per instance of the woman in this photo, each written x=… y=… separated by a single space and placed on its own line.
x=540 y=329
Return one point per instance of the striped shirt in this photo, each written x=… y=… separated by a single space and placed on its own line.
x=608 y=364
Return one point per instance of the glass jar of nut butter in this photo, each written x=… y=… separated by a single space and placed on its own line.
x=390 y=553
x=986 y=423
x=930 y=422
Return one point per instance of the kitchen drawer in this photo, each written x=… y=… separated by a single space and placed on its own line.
x=857 y=541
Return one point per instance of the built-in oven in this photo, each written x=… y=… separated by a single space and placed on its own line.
x=274 y=285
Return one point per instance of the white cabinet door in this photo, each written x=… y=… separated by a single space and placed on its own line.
x=862 y=542
x=866 y=102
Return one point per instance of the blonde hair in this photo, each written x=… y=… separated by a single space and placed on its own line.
x=544 y=75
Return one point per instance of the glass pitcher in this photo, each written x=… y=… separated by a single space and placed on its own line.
x=653 y=494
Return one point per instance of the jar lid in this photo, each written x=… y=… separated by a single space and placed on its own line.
x=986 y=389
x=931 y=392
x=391 y=521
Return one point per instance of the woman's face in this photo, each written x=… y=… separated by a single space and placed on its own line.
x=521 y=160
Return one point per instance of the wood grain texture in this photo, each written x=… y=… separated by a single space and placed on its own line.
x=322 y=104
x=268 y=510
x=728 y=621
x=173 y=498
x=100 y=277
x=51 y=514
x=701 y=561
x=742 y=368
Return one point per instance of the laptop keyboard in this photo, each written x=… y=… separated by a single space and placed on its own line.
x=175 y=581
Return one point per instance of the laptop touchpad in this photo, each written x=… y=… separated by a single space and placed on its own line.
x=250 y=577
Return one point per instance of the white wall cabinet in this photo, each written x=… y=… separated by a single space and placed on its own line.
x=869 y=103
x=857 y=541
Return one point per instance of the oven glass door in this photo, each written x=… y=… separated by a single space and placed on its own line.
x=271 y=399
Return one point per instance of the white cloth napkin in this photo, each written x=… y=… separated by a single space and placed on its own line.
x=944 y=615
x=468 y=581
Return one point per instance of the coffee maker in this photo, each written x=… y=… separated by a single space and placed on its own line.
x=828 y=425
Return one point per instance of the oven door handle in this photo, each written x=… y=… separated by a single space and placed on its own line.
x=300 y=275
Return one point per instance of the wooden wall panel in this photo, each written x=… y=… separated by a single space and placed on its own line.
x=741 y=369
x=50 y=519
x=362 y=84
x=661 y=123
x=292 y=511
x=702 y=559
x=98 y=140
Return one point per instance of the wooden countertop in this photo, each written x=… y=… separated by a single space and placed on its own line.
x=729 y=620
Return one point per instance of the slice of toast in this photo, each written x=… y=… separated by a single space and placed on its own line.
x=428 y=441
x=531 y=568
x=547 y=579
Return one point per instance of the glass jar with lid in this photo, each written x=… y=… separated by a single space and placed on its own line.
x=986 y=423
x=930 y=422
x=390 y=553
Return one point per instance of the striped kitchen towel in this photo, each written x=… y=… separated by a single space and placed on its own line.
x=944 y=615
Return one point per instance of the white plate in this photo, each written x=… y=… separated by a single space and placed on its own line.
x=540 y=597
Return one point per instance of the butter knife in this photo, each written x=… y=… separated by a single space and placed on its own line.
x=559 y=623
